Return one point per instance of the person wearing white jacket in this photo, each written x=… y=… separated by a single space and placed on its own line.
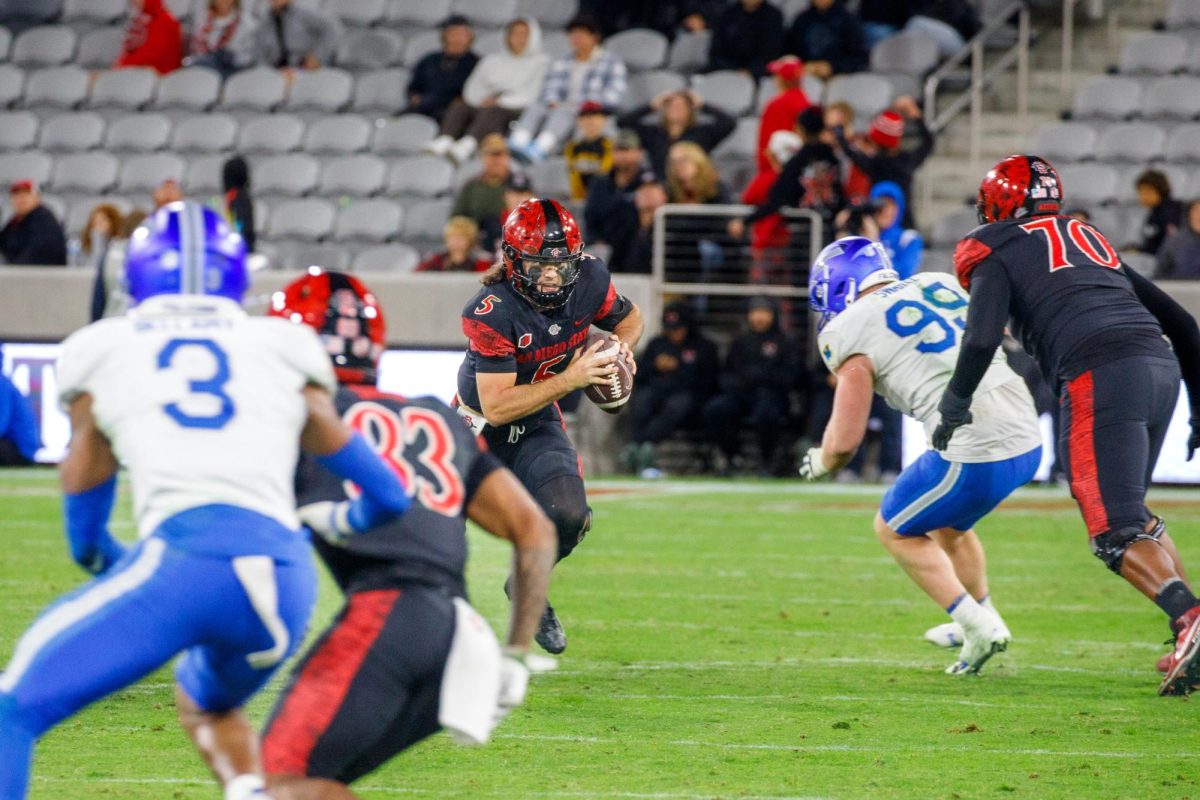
x=501 y=86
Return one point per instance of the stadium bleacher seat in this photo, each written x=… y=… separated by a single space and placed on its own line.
x=99 y=48
x=387 y=258
x=204 y=133
x=310 y=219
x=374 y=49
x=487 y=13
x=302 y=254
x=94 y=12
x=5 y=43
x=1126 y=193
x=86 y=173
x=639 y=48
x=18 y=130
x=421 y=13
x=45 y=46
x=142 y=173
x=403 y=135
x=1182 y=14
x=1088 y=184
x=138 y=133
x=868 y=94
x=1183 y=144
x=419 y=45
x=1130 y=141
x=203 y=176
x=369 y=221
x=12 y=84
x=18 y=166
x=360 y=13
x=340 y=133
x=1176 y=97
x=643 y=87
x=326 y=90
x=130 y=89
x=55 y=88
x=271 y=133
x=423 y=221
x=742 y=143
x=1107 y=97
x=551 y=13
x=1153 y=54
x=73 y=131
x=181 y=9
x=359 y=175
x=950 y=228
x=1064 y=141
x=1192 y=188
x=257 y=89
x=421 y=176
x=550 y=178
x=729 y=90
x=555 y=43
x=689 y=51
x=382 y=91
x=191 y=88
x=291 y=175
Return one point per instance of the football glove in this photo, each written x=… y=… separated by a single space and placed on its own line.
x=956 y=412
x=329 y=520
x=515 y=668
x=812 y=466
x=1193 y=443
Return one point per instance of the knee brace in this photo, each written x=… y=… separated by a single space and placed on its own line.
x=1110 y=546
x=571 y=529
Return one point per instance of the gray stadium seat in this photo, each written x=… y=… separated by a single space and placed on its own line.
x=639 y=48
x=952 y=227
x=1107 y=97
x=271 y=133
x=140 y=133
x=550 y=179
x=5 y=43
x=99 y=48
x=203 y=176
x=791 y=9
x=869 y=94
x=85 y=173
x=1088 y=184
x=1172 y=98
x=1192 y=63
x=143 y=173
x=387 y=258
x=742 y=143
x=57 y=87
x=308 y=220
x=192 y=88
x=689 y=52
x=363 y=50
x=1153 y=53
x=30 y=165
x=369 y=221
x=130 y=88
x=424 y=221
x=1127 y=174
x=643 y=87
x=44 y=46
x=1064 y=141
x=384 y=91
x=731 y=91
x=328 y=90
x=12 y=83
x=424 y=13
x=78 y=130
x=489 y=42
x=295 y=255
x=1183 y=144
x=359 y=175
x=204 y=133
x=1192 y=189
x=423 y=176
x=420 y=44
x=258 y=89
x=555 y=43
x=1143 y=264
x=1182 y=14
x=934 y=260
x=341 y=133
x=181 y=9
x=57 y=206
x=551 y=13
x=99 y=12
x=905 y=53
x=361 y=13
x=489 y=13
x=18 y=130
x=292 y=175
x=1130 y=141
x=403 y=135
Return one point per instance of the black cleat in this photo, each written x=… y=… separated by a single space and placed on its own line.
x=550 y=634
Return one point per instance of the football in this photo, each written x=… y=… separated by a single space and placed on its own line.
x=614 y=394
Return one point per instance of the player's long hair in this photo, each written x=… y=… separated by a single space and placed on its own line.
x=494 y=274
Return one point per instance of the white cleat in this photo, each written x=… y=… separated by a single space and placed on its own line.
x=949 y=634
x=980 y=645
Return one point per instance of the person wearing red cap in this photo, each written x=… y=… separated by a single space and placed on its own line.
x=589 y=152
x=780 y=114
x=152 y=38
x=33 y=235
x=678 y=121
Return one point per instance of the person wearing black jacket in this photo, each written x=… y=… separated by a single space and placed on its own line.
x=676 y=122
x=439 y=76
x=608 y=213
x=747 y=36
x=239 y=206
x=1163 y=212
x=761 y=369
x=33 y=234
x=828 y=39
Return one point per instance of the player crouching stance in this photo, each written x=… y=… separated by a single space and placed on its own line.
x=406 y=654
x=900 y=338
x=207 y=408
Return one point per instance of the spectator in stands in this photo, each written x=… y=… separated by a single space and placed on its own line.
x=883 y=18
x=781 y=112
x=747 y=36
x=439 y=77
x=117 y=301
x=461 y=254
x=631 y=228
x=482 y=197
x=19 y=436
x=610 y=196
x=950 y=23
x=762 y=368
x=769 y=236
x=152 y=38
x=676 y=375
x=169 y=191
x=1179 y=256
x=33 y=235
x=857 y=219
x=589 y=153
x=223 y=39
x=691 y=176
x=296 y=36
x=904 y=245
x=855 y=183
x=103 y=225
x=239 y=204
x=517 y=189
x=889 y=163
x=588 y=72
x=828 y=38
x=1163 y=212
x=501 y=86
x=676 y=121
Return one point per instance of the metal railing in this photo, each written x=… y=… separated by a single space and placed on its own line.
x=982 y=77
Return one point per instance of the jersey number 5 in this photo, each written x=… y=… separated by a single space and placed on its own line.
x=390 y=435
x=1089 y=241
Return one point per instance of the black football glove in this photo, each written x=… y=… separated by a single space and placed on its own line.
x=1194 y=439
x=956 y=412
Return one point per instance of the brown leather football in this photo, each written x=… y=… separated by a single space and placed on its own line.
x=614 y=394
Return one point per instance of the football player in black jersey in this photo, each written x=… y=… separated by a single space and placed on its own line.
x=370 y=686
x=526 y=329
x=1096 y=328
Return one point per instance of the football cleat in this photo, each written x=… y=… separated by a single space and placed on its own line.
x=980 y=645
x=949 y=634
x=1183 y=663
x=550 y=634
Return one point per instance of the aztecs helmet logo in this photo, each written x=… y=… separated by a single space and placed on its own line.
x=1019 y=186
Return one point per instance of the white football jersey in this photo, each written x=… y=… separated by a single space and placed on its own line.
x=911 y=332
x=202 y=403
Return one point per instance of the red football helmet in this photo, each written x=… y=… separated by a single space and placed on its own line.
x=540 y=234
x=345 y=314
x=1019 y=186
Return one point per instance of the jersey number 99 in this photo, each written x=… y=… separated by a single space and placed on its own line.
x=939 y=300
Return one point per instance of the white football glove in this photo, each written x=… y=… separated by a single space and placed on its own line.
x=515 y=668
x=329 y=520
x=812 y=466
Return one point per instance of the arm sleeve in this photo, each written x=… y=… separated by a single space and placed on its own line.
x=922 y=151
x=614 y=84
x=383 y=497
x=986 y=317
x=856 y=156
x=86 y=515
x=786 y=191
x=1179 y=326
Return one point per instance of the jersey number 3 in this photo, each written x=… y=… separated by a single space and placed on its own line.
x=211 y=387
x=1087 y=240
x=390 y=435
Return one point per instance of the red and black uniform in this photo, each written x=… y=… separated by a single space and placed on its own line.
x=507 y=334
x=369 y=687
x=1096 y=329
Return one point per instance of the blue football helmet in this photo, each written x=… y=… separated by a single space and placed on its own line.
x=842 y=270
x=185 y=248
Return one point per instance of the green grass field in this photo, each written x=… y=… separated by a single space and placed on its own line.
x=731 y=641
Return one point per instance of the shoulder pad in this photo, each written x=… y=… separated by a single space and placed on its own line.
x=967 y=255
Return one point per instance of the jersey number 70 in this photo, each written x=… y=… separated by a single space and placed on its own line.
x=1087 y=240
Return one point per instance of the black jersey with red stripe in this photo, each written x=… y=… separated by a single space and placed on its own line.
x=440 y=461
x=506 y=334
x=1070 y=301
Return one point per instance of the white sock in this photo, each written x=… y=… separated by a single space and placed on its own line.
x=464 y=148
x=966 y=611
x=519 y=137
x=245 y=787
x=546 y=142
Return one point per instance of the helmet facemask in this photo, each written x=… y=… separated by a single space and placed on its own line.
x=546 y=281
